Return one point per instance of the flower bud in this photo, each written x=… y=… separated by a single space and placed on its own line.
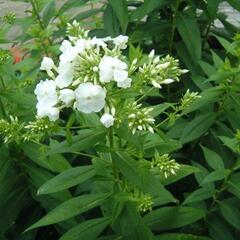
x=107 y=120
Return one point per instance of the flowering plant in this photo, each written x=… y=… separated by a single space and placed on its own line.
x=91 y=105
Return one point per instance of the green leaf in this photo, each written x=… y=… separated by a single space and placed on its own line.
x=231 y=143
x=141 y=177
x=216 y=176
x=207 y=68
x=180 y=236
x=197 y=127
x=162 y=143
x=120 y=9
x=226 y=44
x=71 y=4
x=67 y=179
x=131 y=225
x=173 y=217
x=83 y=15
x=70 y=209
x=199 y=195
x=160 y=108
x=235 y=4
x=85 y=139
x=146 y=8
x=188 y=29
x=48 y=12
x=219 y=229
x=213 y=159
x=110 y=21
x=56 y=162
x=233 y=184
x=218 y=62
x=230 y=213
x=87 y=230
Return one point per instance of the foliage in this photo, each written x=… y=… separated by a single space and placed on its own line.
x=75 y=179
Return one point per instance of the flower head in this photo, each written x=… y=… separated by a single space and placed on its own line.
x=121 y=41
x=65 y=77
x=47 y=99
x=111 y=68
x=89 y=97
x=165 y=164
x=66 y=96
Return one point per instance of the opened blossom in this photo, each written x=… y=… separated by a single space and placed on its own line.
x=89 y=97
x=111 y=68
x=66 y=96
x=65 y=77
x=121 y=41
x=47 y=99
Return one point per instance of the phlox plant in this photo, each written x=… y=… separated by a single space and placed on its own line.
x=116 y=159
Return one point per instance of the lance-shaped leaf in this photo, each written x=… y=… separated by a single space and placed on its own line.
x=70 y=209
x=67 y=179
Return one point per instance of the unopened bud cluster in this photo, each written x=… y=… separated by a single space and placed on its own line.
x=144 y=203
x=16 y=131
x=158 y=71
x=5 y=56
x=165 y=164
x=140 y=118
x=187 y=100
x=9 y=18
x=10 y=130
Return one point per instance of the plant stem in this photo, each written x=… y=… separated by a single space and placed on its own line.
x=36 y=13
x=207 y=33
x=1 y=103
x=172 y=33
x=111 y=145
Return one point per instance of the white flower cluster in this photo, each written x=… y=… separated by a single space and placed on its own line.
x=65 y=88
x=89 y=71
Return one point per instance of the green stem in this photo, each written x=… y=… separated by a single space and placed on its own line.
x=36 y=13
x=1 y=103
x=172 y=33
x=111 y=145
x=39 y=20
x=207 y=33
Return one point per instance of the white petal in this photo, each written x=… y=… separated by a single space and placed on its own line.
x=120 y=75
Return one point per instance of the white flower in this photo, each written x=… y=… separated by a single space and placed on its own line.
x=66 y=96
x=47 y=64
x=68 y=52
x=89 y=97
x=46 y=93
x=65 y=77
x=112 y=69
x=44 y=111
x=82 y=44
x=47 y=99
x=121 y=41
x=99 y=42
x=125 y=84
x=65 y=46
x=107 y=120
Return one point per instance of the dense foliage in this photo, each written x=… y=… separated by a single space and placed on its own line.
x=165 y=169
